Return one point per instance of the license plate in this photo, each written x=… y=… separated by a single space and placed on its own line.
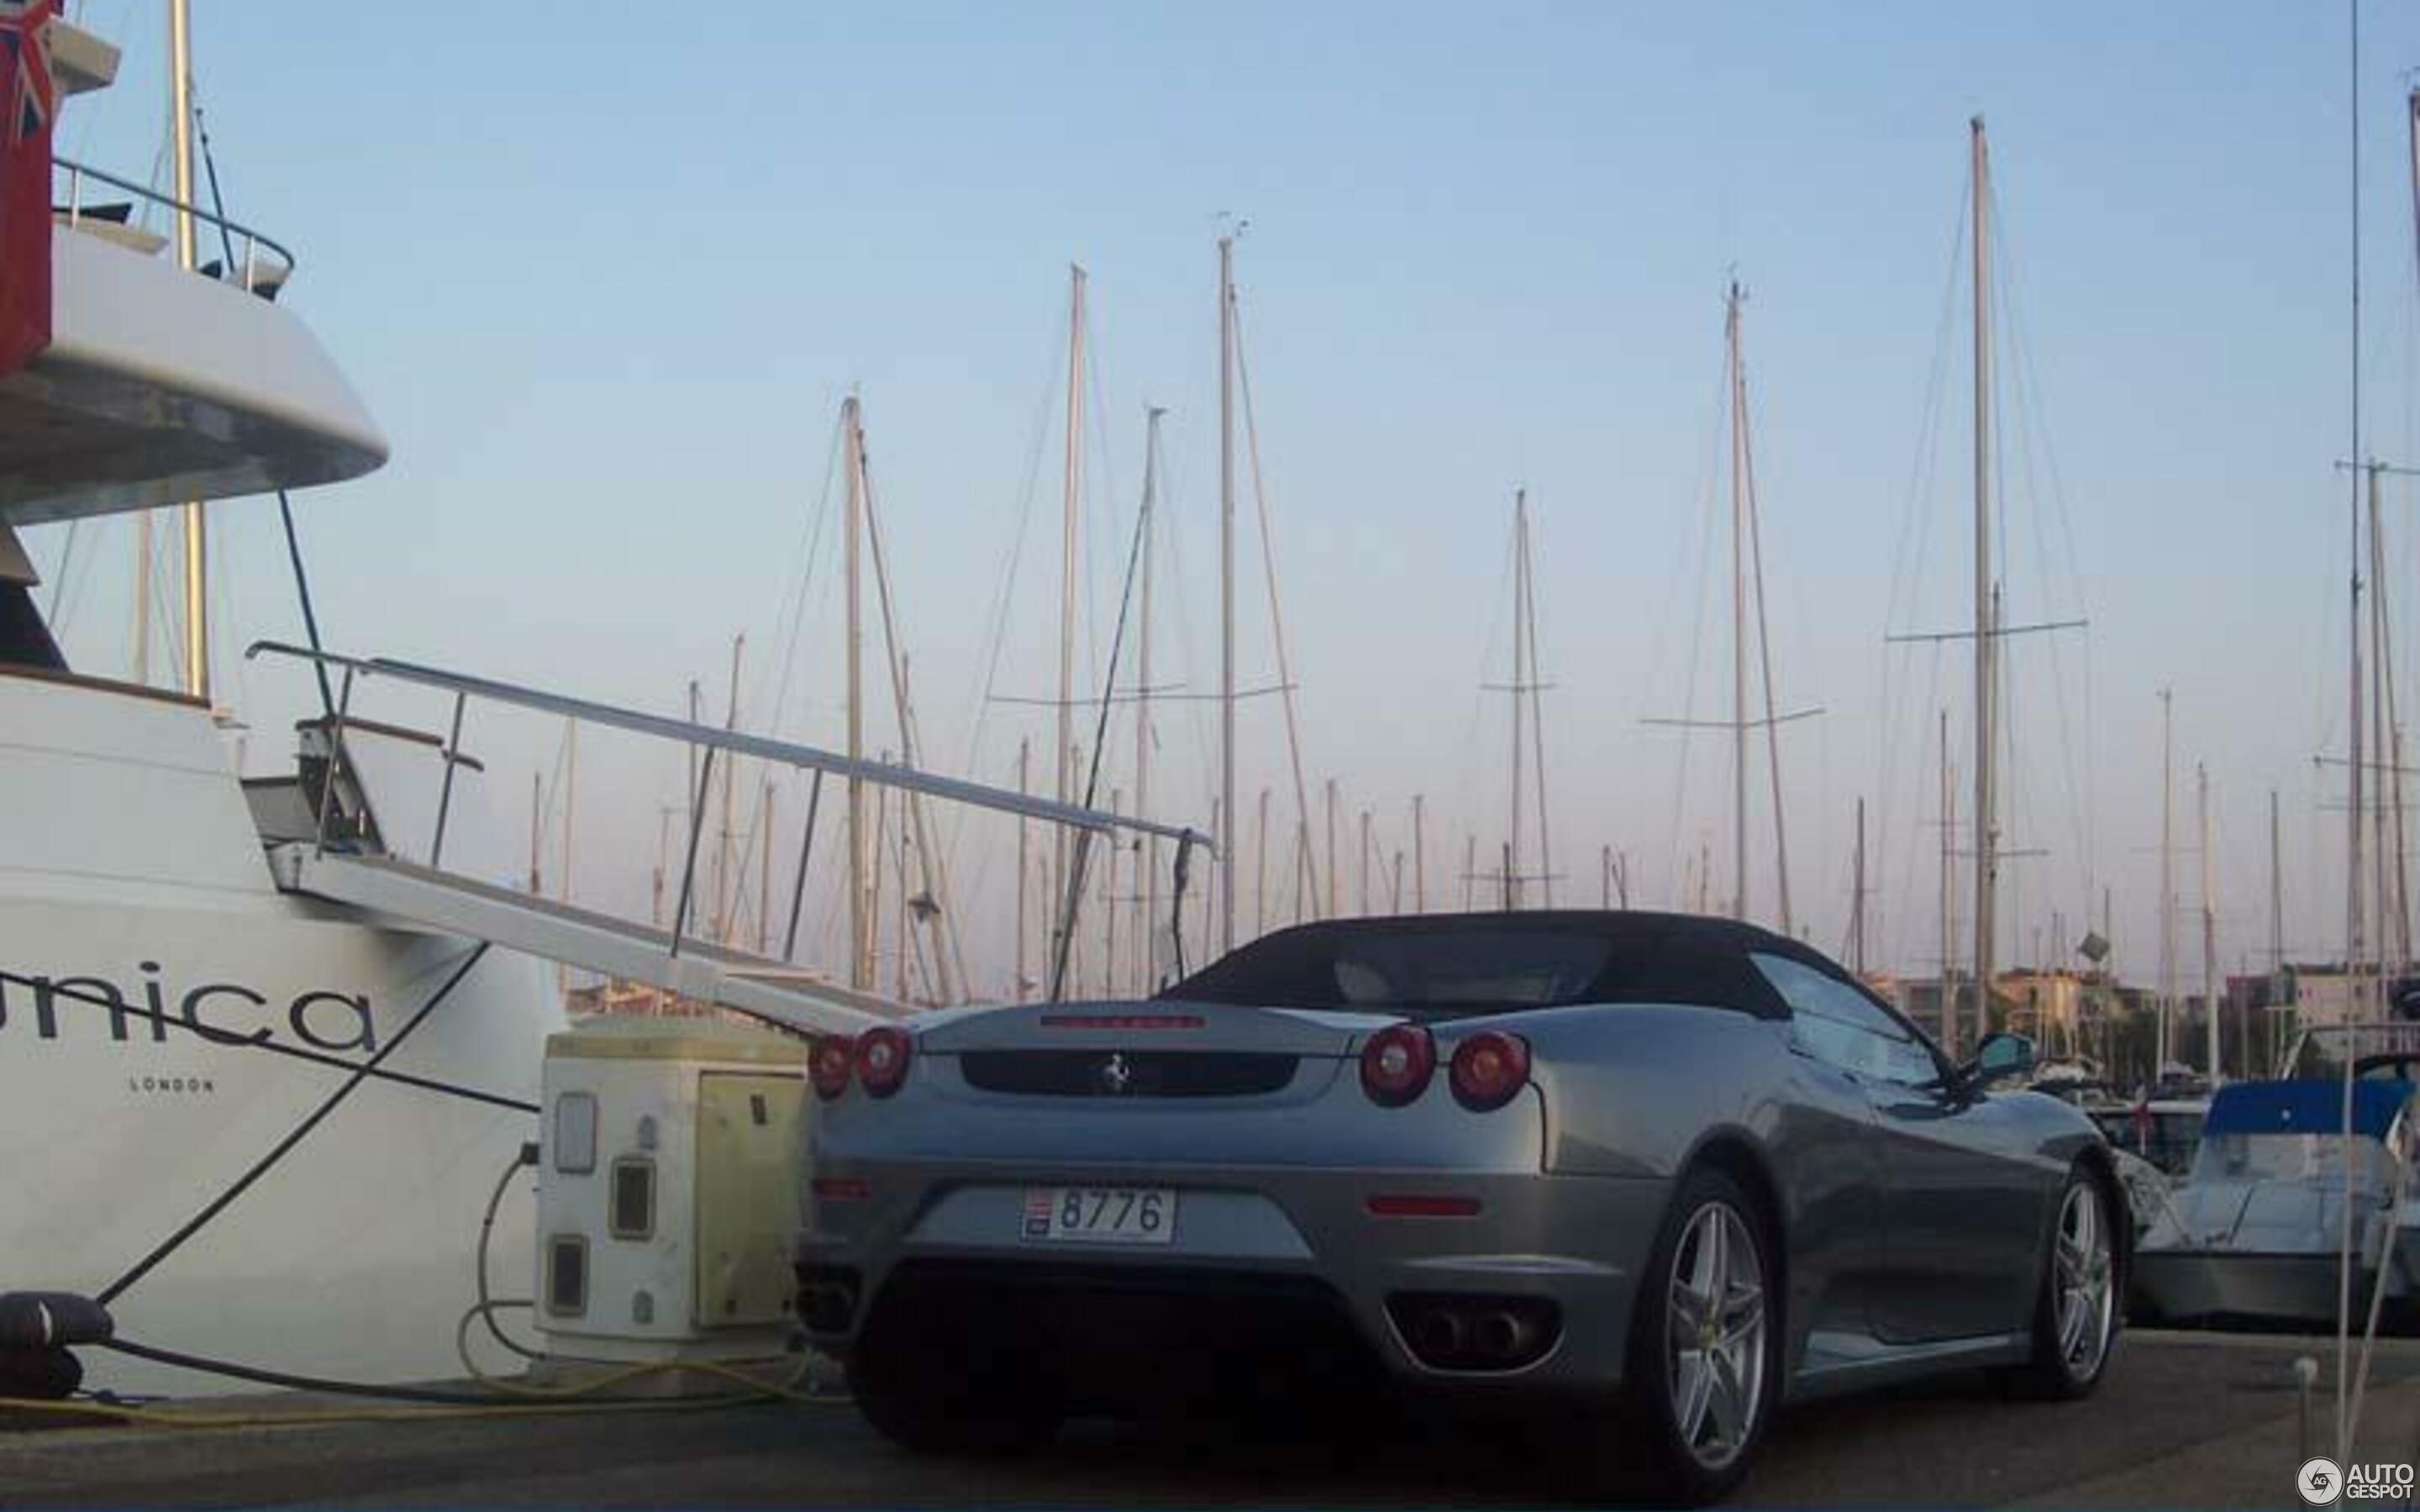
x=1100 y=1214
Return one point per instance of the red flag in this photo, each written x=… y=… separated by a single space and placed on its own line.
x=31 y=98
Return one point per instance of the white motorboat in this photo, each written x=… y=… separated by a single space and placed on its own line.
x=2285 y=1173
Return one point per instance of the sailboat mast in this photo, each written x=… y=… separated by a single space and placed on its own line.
x=1948 y=894
x=1520 y=663
x=570 y=789
x=1024 y=861
x=765 y=875
x=1146 y=953
x=1420 y=855
x=861 y=833
x=2276 y=923
x=2394 y=913
x=1072 y=480
x=1364 y=875
x=1986 y=645
x=1537 y=687
x=1335 y=901
x=725 y=914
x=2354 y=924
x=1739 y=607
x=1857 y=901
x=2209 y=932
x=2167 y=878
x=1261 y=871
x=1110 y=906
x=180 y=106
x=144 y=552
x=1227 y=593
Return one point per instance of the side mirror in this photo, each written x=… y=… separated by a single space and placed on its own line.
x=1997 y=1058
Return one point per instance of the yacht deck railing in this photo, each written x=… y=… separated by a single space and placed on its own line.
x=233 y=233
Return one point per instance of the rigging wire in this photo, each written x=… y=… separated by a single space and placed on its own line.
x=1468 y=800
x=1900 y=724
x=60 y=573
x=987 y=691
x=1286 y=683
x=2033 y=436
x=1710 y=510
x=1063 y=951
x=285 y=505
x=293 y=1138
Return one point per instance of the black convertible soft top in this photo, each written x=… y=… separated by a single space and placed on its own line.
x=1477 y=962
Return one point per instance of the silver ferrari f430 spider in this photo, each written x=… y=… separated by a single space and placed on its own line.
x=1666 y=1171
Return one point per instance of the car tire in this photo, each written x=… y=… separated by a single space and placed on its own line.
x=2080 y=1310
x=1679 y=1377
x=932 y=1394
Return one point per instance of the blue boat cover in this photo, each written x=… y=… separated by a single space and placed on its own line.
x=2309 y=1106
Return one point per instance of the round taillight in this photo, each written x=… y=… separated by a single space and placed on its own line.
x=1396 y=1064
x=882 y=1060
x=828 y=1067
x=1488 y=1068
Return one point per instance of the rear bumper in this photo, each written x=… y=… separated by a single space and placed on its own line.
x=1302 y=1241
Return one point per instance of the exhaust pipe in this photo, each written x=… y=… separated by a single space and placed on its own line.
x=1438 y=1334
x=1502 y=1334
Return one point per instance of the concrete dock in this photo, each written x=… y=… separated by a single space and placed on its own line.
x=2184 y=1421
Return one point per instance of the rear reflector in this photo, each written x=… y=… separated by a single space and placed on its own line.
x=843 y=1188
x=1408 y=1205
x=1122 y=1021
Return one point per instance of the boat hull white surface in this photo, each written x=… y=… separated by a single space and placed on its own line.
x=134 y=875
x=161 y=385
x=2181 y=1286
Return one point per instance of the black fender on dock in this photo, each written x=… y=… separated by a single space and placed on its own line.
x=42 y=1375
x=38 y=1320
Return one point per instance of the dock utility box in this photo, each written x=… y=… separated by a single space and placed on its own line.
x=668 y=1190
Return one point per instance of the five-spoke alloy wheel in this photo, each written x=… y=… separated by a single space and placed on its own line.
x=1715 y=1359
x=1703 y=1362
x=2076 y=1320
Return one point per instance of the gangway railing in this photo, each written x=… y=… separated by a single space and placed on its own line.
x=1087 y=824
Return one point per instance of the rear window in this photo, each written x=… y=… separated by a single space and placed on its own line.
x=1446 y=966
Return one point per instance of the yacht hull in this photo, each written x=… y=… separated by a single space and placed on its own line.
x=169 y=1018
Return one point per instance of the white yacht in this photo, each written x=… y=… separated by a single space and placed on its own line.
x=169 y=1016
x=264 y=1061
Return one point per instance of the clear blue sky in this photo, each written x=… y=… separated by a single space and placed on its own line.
x=605 y=273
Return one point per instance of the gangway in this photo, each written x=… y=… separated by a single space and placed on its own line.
x=581 y=938
x=345 y=857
